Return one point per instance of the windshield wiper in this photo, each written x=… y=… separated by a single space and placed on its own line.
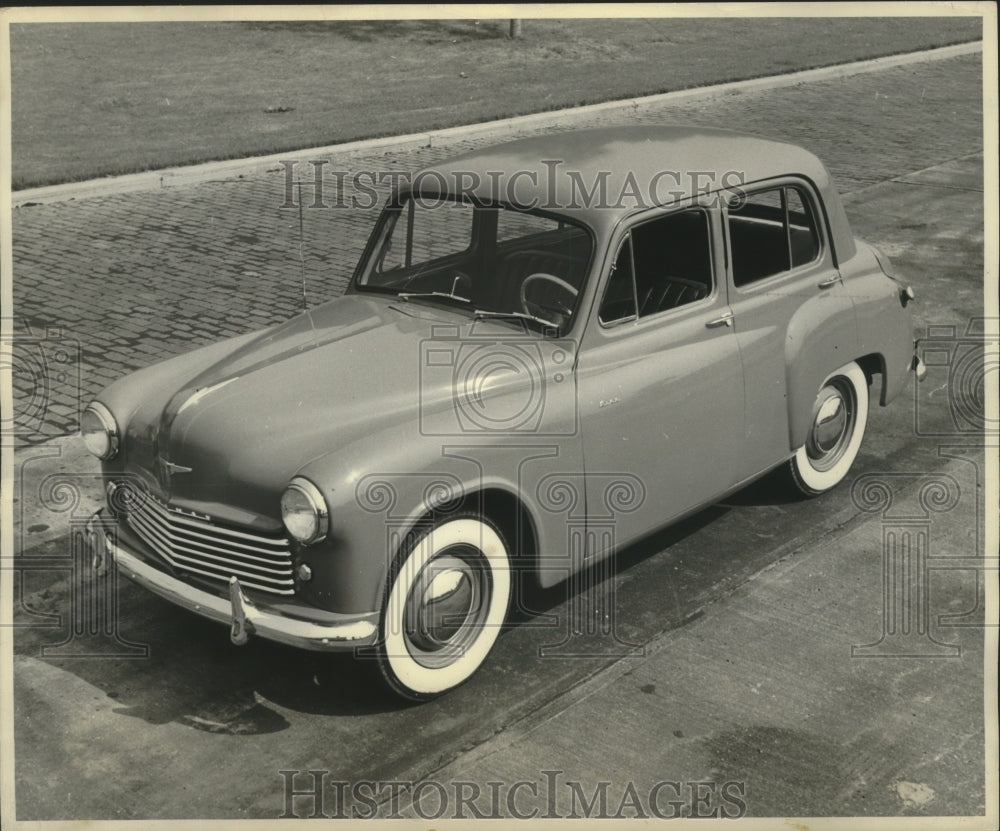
x=406 y=295
x=486 y=313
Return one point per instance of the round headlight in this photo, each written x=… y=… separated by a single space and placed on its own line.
x=304 y=511
x=99 y=430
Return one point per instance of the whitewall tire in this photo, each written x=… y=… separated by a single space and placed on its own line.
x=836 y=428
x=445 y=603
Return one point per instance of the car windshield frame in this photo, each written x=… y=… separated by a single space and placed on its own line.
x=452 y=296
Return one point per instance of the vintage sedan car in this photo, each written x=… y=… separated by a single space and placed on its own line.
x=548 y=349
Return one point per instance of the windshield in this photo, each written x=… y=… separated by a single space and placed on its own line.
x=493 y=261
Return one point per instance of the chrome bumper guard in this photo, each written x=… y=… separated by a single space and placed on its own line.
x=239 y=612
x=918 y=366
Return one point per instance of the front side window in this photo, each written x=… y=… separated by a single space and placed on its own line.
x=619 y=297
x=771 y=232
x=662 y=265
x=416 y=235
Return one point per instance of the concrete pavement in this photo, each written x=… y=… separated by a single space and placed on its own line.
x=755 y=692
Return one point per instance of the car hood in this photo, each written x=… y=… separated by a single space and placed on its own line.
x=235 y=430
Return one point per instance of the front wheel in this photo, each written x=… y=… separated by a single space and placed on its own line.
x=445 y=602
x=836 y=428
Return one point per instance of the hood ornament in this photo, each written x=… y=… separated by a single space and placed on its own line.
x=166 y=469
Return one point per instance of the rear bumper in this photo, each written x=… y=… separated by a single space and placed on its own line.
x=243 y=616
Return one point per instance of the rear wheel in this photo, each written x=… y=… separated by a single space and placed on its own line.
x=445 y=602
x=836 y=429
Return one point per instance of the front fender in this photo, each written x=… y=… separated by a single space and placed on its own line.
x=382 y=488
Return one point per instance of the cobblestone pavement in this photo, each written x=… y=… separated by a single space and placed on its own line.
x=106 y=285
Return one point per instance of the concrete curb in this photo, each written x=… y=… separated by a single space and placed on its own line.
x=239 y=168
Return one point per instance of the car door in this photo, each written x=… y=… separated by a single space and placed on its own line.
x=791 y=311
x=659 y=380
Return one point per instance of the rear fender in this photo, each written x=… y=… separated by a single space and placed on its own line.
x=822 y=336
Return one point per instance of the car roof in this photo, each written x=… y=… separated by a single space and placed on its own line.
x=602 y=175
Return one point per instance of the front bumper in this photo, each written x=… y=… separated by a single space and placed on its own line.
x=243 y=616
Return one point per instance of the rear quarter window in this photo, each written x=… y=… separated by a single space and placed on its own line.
x=772 y=231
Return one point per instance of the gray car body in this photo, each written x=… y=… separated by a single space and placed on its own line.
x=640 y=423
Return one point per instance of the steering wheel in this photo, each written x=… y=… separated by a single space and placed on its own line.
x=558 y=306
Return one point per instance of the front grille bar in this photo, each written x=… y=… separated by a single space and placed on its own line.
x=201 y=547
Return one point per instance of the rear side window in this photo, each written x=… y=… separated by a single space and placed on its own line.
x=771 y=232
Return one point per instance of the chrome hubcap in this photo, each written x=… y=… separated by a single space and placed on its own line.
x=447 y=606
x=830 y=423
x=833 y=420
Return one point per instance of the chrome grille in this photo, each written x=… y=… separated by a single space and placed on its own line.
x=199 y=546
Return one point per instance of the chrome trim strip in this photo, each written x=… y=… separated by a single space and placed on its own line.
x=315 y=498
x=107 y=419
x=202 y=547
x=238 y=612
x=195 y=545
x=201 y=524
x=917 y=366
x=723 y=319
x=188 y=563
x=212 y=561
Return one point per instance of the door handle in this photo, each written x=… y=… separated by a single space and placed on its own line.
x=829 y=281
x=722 y=320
